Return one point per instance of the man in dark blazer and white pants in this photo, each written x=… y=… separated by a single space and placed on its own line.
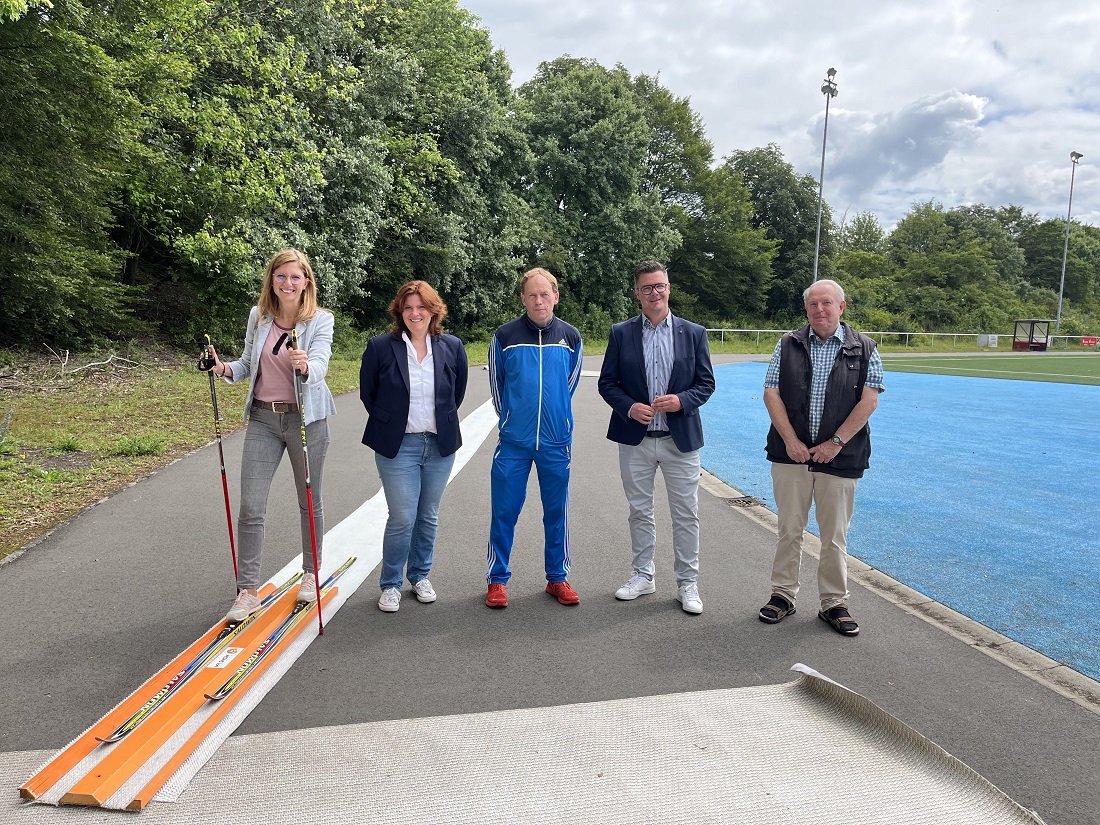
x=656 y=375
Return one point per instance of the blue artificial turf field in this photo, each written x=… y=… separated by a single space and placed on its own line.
x=981 y=494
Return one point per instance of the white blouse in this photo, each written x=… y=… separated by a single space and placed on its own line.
x=421 y=389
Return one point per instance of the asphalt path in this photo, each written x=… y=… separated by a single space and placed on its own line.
x=112 y=595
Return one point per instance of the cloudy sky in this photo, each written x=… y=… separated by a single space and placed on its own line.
x=958 y=101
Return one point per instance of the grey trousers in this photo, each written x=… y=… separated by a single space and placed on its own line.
x=268 y=435
x=638 y=468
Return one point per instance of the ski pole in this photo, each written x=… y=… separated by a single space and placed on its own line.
x=309 y=483
x=207 y=363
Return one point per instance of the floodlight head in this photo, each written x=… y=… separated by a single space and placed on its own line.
x=1075 y=156
x=831 y=73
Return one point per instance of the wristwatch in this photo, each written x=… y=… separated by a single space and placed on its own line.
x=836 y=440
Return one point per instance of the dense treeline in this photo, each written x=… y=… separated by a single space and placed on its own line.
x=154 y=154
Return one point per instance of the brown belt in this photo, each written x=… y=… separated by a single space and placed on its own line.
x=276 y=406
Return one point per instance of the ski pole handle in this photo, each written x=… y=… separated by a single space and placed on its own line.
x=206 y=360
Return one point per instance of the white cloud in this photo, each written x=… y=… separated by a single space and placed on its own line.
x=950 y=100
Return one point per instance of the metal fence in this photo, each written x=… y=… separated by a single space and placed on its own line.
x=927 y=340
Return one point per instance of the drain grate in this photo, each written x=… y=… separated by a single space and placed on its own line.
x=745 y=501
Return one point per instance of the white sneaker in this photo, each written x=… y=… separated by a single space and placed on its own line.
x=424 y=591
x=243 y=606
x=390 y=600
x=307 y=588
x=638 y=585
x=688 y=597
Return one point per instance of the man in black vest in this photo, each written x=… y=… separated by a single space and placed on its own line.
x=821 y=387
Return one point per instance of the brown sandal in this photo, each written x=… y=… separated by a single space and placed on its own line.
x=776 y=610
x=840 y=620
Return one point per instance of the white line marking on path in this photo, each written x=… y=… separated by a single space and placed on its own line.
x=360 y=534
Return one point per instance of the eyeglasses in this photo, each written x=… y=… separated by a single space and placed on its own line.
x=648 y=289
x=294 y=279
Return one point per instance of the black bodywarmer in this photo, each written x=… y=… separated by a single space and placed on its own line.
x=842 y=392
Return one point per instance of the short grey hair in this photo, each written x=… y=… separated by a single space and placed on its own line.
x=837 y=288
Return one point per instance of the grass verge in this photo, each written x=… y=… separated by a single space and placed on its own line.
x=82 y=430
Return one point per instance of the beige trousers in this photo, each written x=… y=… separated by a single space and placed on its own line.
x=795 y=488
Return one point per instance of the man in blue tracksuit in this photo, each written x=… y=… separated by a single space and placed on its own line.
x=534 y=369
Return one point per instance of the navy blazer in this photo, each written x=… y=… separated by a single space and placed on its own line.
x=623 y=382
x=384 y=389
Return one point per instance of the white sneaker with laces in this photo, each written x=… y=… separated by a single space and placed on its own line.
x=424 y=591
x=638 y=585
x=243 y=606
x=688 y=597
x=307 y=588
x=390 y=600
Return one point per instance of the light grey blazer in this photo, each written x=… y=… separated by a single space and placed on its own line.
x=315 y=337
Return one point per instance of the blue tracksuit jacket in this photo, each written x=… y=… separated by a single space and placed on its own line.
x=533 y=374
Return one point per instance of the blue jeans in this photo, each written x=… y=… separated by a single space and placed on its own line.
x=414 y=482
x=268 y=436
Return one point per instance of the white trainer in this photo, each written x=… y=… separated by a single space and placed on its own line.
x=638 y=585
x=307 y=588
x=688 y=597
x=390 y=600
x=424 y=591
x=243 y=606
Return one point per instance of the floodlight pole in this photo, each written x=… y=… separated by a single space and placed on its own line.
x=828 y=89
x=1073 y=158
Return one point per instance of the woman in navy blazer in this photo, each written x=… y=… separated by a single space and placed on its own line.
x=412 y=382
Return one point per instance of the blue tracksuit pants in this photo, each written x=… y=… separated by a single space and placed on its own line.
x=511 y=469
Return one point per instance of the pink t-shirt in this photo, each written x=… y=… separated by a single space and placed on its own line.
x=275 y=381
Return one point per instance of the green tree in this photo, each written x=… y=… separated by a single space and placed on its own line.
x=1015 y=220
x=985 y=223
x=226 y=149
x=679 y=152
x=723 y=268
x=863 y=233
x=785 y=206
x=870 y=289
x=14 y=9
x=67 y=126
x=945 y=278
x=453 y=215
x=590 y=139
x=1044 y=245
x=360 y=84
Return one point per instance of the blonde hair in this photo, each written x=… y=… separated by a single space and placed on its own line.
x=431 y=300
x=538 y=270
x=268 y=303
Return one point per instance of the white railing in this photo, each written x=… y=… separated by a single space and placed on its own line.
x=1002 y=340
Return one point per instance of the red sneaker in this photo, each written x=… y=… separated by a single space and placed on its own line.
x=563 y=592
x=498 y=596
